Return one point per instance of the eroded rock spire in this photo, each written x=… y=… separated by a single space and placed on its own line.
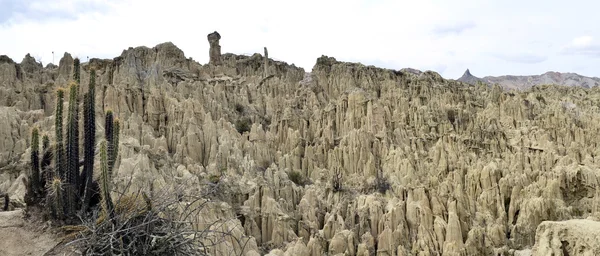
x=215 y=48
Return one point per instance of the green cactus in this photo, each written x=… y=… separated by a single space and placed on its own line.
x=59 y=161
x=108 y=134
x=76 y=71
x=34 y=180
x=115 y=142
x=105 y=179
x=72 y=177
x=57 y=209
x=89 y=121
x=46 y=160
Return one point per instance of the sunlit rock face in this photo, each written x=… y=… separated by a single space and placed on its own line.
x=427 y=166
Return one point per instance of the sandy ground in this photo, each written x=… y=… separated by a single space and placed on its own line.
x=20 y=238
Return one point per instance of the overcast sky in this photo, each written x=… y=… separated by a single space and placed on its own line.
x=488 y=37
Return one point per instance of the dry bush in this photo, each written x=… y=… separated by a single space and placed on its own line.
x=148 y=225
x=382 y=185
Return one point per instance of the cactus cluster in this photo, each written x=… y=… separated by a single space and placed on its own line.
x=69 y=188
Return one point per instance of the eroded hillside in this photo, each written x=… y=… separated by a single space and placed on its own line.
x=472 y=170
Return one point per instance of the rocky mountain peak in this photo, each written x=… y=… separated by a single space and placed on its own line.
x=467 y=77
x=467 y=73
x=30 y=65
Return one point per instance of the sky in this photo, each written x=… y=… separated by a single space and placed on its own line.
x=489 y=37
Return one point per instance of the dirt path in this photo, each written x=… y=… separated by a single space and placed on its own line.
x=18 y=238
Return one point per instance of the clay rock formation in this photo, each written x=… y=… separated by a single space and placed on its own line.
x=215 y=48
x=572 y=237
x=428 y=166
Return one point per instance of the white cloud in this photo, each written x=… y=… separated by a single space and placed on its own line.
x=583 y=45
x=582 y=41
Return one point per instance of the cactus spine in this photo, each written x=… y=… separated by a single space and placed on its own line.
x=72 y=151
x=107 y=205
x=89 y=124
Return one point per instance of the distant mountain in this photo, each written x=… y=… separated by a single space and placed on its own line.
x=524 y=82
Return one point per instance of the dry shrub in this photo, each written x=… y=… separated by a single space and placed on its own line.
x=143 y=225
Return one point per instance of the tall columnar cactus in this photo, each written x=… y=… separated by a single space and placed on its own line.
x=34 y=181
x=89 y=121
x=115 y=142
x=76 y=71
x=72 y=177
x=46 y=160
x=59 y=161
x=108 y=134
x=105 y=182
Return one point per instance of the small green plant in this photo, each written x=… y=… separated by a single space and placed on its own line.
x=242 y=125
x=297 y=178
x=239 y=108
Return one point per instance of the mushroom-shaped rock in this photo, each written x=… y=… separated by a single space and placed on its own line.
x=215 y=48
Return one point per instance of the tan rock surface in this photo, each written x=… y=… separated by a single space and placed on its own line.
x=473 y=170
x=572 y=237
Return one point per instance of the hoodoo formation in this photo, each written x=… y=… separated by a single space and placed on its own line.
x=346 y=159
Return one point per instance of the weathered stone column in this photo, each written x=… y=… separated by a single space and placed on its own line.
x=215 y=48
x=266 y=63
